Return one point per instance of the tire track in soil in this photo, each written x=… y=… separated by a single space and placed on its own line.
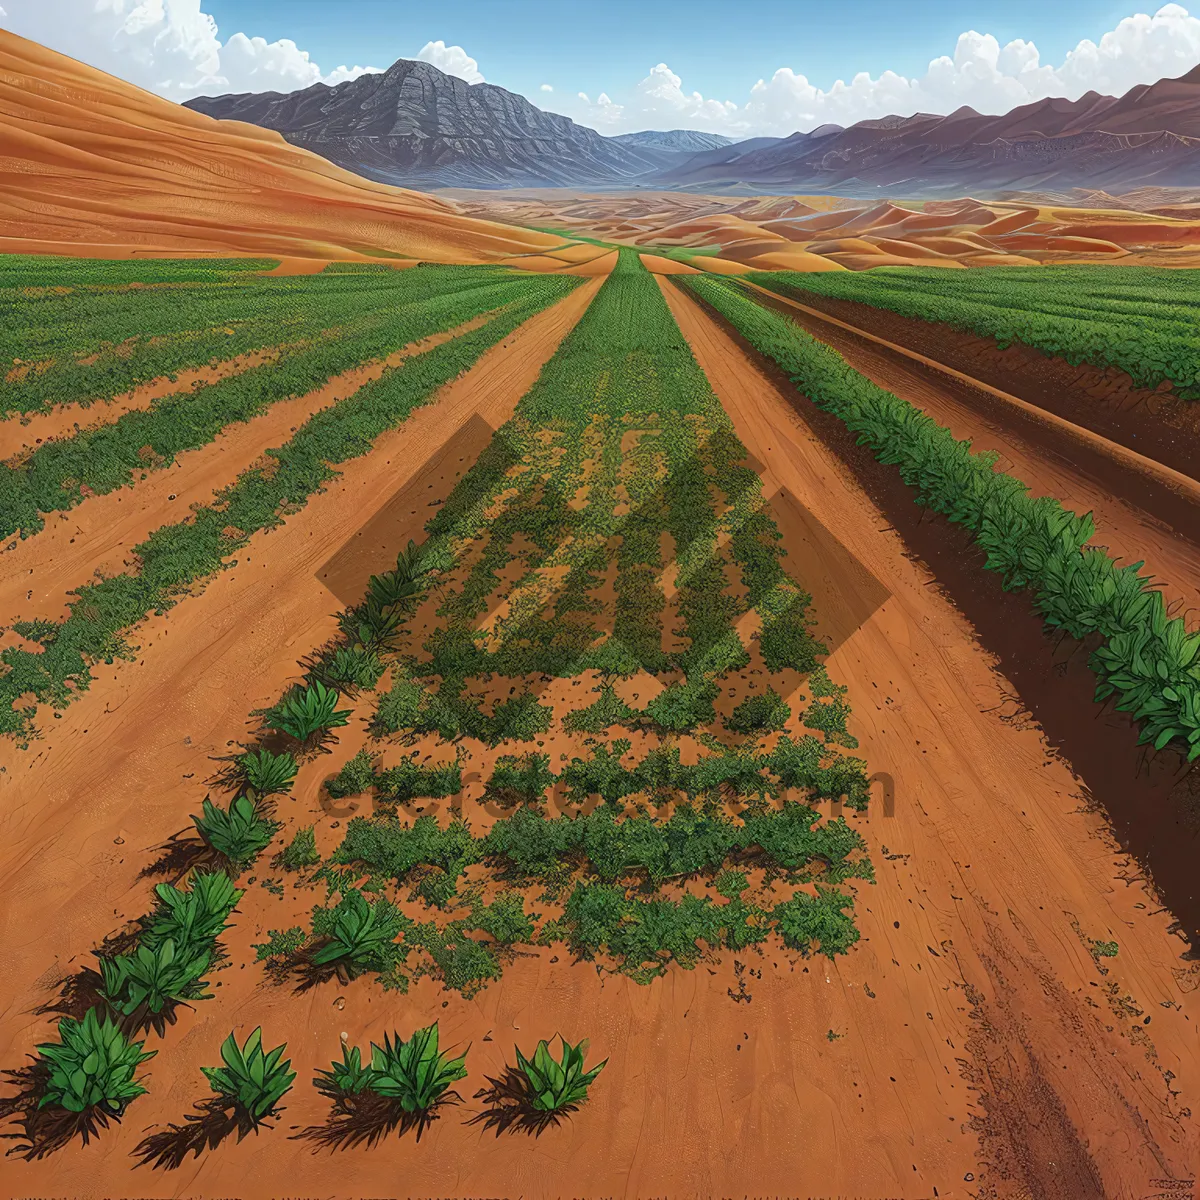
x=1003 y=868
x=97 y=537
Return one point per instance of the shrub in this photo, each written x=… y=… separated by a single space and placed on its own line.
x=356 y=777
x=505 y=919
x=280 y=944
x=251 y=1080
x=266 y=773
x=601 y=714
x=239 y=833
x=351 y=667
x=759 y=714
x=307 y=711
x=682 y=706
x=806 y=921
x=437 y=888
x=522 y=779
x=557 y=1087
x=408 y=780
x=399 y=707
x=92 y=1066
x=465 y=964
x=361 y=935
x=301 y=851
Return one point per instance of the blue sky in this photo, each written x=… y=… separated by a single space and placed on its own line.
x=591 y=47
x=738 y=67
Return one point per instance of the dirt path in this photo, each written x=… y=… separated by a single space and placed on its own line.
x=97 y=536
x=20 y=435
x=1004 y=882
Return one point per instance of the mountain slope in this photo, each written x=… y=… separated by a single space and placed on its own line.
x=92 y=165
x=688 y=141
x=415 y=125
x=1148 y=137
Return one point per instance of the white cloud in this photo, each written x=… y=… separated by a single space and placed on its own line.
x=546 y=88
x=168 y=46
x=454 y=60
x=981 y=73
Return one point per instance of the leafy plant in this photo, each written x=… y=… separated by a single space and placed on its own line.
x=348 y=1077
x=414 y=1073
x=356 y=777
x=352 y=667
x=194 y=917
x=281 y=944
x=238 y=833
x=360 y=935
x=759 y=714
x=537 y=1093
x=301 y=851
x=150 y=979
x=307 y=711
x=266 y=773
x=558 y=1086
x=92 y=1066
x=252 y=1080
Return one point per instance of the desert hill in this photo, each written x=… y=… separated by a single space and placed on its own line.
x=92 y=165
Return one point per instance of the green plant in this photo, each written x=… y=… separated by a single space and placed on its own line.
x=351 y=667
x=522 y=779
x=558 y=1086
x=92 y=1066
x=414 y=1073
x=360 y=934
x=151 y=979
x=759 y=714
x=346 y=1078
x=301 y=851
x=307 y=711
x=356 y=777
x=281 y=944
x=252 y=1080
x=266 y=773
x=194 y=917
x=238 y=833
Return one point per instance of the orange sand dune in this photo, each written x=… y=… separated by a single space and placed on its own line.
x=792 y=260
x=90 y=165
x=666 y=266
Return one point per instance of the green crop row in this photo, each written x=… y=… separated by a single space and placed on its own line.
x=1149 y=662
x=94 y=343
x=1140 y=319
x=60 y=472
x=180 y=553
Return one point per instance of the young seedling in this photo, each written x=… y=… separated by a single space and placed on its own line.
x=265 y=773
x=308 y=711
x=251 y=1081
x=237 y=834
x=404 y=1086
x=539 y=1092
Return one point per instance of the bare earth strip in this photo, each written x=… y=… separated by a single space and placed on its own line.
x=1075 y=1094
x=98 y=535
x=19 y=436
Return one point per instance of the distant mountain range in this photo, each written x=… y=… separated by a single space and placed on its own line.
x=417 y=127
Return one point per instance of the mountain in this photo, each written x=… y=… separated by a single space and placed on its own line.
x=415 y=126
x=1150 y=137
x=687 y=141
x=92 y=165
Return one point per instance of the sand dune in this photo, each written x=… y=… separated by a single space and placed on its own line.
x=93 y=166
